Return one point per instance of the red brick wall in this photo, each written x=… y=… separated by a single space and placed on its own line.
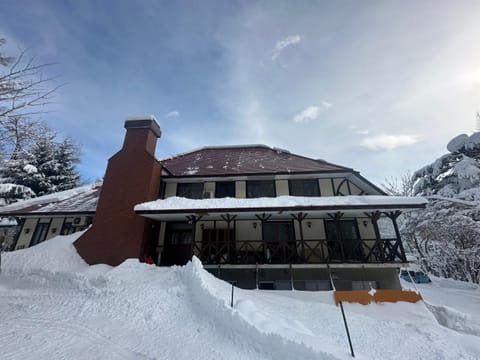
x=132 y=177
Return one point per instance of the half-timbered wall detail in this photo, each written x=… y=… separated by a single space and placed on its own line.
x=326 y=187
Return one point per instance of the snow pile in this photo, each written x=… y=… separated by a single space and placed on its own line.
x=455 y=320
x=59 y=307
x=179 y=203
x=455 y=304
x=56 y=255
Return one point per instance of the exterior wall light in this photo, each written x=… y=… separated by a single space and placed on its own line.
x=309 y=224
x=365 y=223
x=254 y=225
x=27 y=230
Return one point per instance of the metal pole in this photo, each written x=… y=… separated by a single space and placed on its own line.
x=343 y=313
x=231 y=301
x=346 y=328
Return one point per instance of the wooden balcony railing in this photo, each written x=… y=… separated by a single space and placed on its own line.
x=243 y=252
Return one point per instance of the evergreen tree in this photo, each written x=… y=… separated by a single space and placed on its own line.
x=66 y=176
x=48 y=167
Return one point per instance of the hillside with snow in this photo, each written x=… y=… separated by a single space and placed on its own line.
x=54 y=306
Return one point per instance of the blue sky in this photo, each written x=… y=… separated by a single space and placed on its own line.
x=379 y=86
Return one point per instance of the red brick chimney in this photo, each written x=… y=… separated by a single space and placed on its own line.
x=132 y=177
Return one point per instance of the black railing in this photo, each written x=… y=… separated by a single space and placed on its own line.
x=243 y=252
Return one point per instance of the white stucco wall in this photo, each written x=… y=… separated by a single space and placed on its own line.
x=240 y=189
x=325 y=187
x=170 y=190
x=26 y=233
x=55 y=227
x=282 y=187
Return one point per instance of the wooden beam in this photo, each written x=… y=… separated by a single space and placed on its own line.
x=300 y=217
x=374 y=216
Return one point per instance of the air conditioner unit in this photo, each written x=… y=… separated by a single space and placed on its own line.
x=207 y=194
x=78 y=221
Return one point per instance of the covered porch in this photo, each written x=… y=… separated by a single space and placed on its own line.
x=349 y=233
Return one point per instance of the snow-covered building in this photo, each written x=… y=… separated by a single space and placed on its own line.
x=254 y=215
x=61 y=213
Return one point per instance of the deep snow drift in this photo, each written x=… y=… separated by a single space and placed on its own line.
x=54 y=306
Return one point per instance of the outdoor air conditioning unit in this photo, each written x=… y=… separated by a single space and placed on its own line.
x=207 y=194
x=78 y=221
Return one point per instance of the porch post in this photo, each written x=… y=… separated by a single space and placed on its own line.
x=393 y=216
x=262 y=218
x=374 y=216
x=300 y=217
x=336 y=217
x=228 y=219
x=193 y=220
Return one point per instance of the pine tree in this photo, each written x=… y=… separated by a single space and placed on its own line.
x=66 y=155
x=47 y=168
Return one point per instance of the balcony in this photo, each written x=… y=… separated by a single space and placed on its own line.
x=251 y=252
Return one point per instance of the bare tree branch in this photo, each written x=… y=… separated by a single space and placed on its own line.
x=24 y=93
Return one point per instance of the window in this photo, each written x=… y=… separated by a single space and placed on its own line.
x=190 y=190
x=40 y=233
x=67 y=228
x=350 y=240
x=304 y=187
x=225 y=189
x=260 y=188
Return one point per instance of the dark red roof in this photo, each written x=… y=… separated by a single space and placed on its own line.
x=239 y=160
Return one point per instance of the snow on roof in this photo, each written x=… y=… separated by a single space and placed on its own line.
x=78 y=200
x=367 y=201
x=243 y=159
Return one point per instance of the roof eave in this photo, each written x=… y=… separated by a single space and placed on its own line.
x=346 y=170
x=47 y=213
x=284 y=209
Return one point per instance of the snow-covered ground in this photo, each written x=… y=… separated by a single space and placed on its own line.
x=54 y=306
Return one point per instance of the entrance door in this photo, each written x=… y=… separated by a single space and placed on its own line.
x=178 y=244
x=279 y=242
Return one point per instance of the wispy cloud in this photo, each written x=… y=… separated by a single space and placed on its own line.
x=284 y=43
x=311 y=113
x=172 y=114
x=388 y=141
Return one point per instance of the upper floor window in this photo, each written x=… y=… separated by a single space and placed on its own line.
x=190 y=190
x=304 y=187
x=260 y=188
x=225 y=189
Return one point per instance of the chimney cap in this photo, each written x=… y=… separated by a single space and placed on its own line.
x=143 y=122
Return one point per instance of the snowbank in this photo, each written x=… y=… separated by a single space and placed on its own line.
x=53 y=305
x=55 y=255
